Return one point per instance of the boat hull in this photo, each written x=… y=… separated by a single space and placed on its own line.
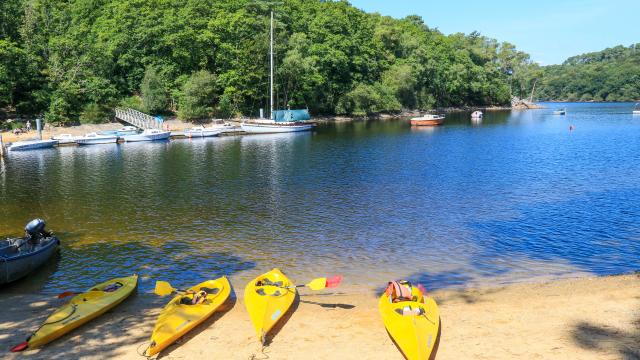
x=415 y=335
x=147 y=137
x=201 y=134
x=267 y=304
x=32 y=145
x=432 y=122
x=274 y=128
x=20 y=264
x=82 y=309
x=97 y=141
x=177 y=319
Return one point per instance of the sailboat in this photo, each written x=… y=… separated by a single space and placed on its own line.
x=280 y=121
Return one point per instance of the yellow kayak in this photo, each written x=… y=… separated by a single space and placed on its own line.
x=413 y=324
x=180 y=315
x=81 y=309
x=267 y=298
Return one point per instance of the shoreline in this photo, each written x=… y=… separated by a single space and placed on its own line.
x=586 y=318
x=178 y=125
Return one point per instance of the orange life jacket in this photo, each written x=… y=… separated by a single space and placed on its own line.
x=399 y=291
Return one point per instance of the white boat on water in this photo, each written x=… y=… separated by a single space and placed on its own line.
x=148 y=135
x=224 y=126
x=280 y=121
x=477 y=115
x=560 y=112
x=201 y=131
x=263 y=126
x=427 y=120
x=636 y=110
x=125 y=130
x=95 y=139
x=32 y=144
x=65 y=139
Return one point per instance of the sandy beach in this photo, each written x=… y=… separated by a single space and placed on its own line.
x=584 y=318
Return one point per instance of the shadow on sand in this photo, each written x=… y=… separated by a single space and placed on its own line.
x=608 y=338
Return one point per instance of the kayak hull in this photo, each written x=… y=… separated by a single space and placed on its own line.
x=267 y=304
x=177 y=319
x=415 y=335
x=81 y=309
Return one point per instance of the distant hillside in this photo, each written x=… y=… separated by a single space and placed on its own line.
x=609 y=75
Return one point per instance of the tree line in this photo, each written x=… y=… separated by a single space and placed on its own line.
x=75 y=60
x=609 y=75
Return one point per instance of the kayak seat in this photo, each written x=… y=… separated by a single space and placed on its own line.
x=261 y=292
x=195 y=299
x=409 y=311
x=210 y=291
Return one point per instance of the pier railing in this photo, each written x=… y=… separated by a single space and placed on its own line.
x=137 y=118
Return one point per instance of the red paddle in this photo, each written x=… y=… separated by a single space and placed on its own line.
x=20 y=347
x=66 y=293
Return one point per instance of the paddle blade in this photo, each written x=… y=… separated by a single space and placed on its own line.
x=333 y=282
x=20 y=347
x=321 y=283
x=317 y=284
x=163 y=288
x=65 y=294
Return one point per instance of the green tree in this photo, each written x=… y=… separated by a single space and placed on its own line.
x=153 y=92
x=198 y=96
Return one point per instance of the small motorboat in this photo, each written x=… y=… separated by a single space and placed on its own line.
x=560 y=112
x=636 y=110
x=20 y=256
x=428 y=120
x=477 y=115
x=32 y=144
x=148 y=135
x=64 y=139
x=224 y=126
x=95 y=139
x=201 y=131
x=126 y=130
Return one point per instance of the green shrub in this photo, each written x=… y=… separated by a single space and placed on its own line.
x=154 y=94
x=95 y=114
x=197 y=96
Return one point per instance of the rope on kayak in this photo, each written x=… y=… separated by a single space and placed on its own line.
x=264 y=354
x=74 y=307
x=145 y=350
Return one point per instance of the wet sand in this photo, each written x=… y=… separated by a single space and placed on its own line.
x=585 y=318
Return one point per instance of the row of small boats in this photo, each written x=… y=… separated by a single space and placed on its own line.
x=126 y=134
x=411 y=317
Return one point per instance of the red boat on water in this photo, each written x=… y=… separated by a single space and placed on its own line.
x=427 y=120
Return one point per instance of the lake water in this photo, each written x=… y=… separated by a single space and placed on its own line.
x=517 y=197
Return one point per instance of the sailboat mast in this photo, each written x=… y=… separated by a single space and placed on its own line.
x=271 y=70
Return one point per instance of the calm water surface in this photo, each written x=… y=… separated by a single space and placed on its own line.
x=514 y=198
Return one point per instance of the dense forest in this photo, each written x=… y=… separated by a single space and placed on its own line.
x=75 y=60
x=609 y=75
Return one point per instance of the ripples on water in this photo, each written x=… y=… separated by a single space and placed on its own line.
x=517 y=197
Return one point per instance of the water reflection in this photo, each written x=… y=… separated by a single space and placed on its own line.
x=516 y=198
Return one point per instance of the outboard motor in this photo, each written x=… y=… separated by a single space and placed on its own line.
x=35 y=229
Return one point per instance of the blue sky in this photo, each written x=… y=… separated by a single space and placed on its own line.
x=550 y=31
